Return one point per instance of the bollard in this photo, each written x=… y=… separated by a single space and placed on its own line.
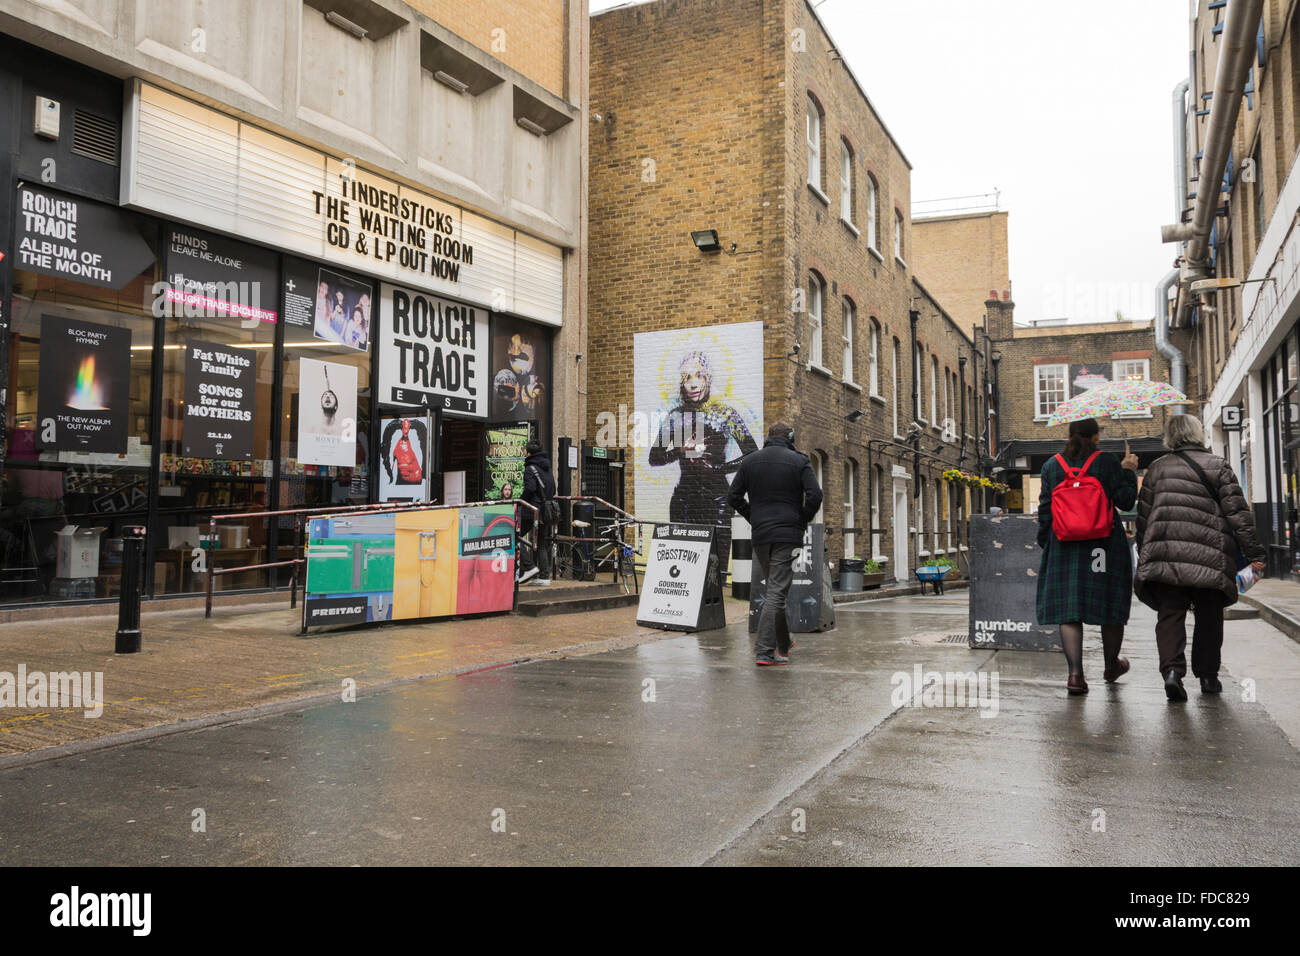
x=128 y=605
x=742 y=558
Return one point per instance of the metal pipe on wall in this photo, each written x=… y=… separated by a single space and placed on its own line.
x=1237 y=47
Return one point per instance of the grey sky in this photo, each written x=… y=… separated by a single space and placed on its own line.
x=1062 y=105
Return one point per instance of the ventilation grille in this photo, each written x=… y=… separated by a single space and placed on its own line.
x=94 y=137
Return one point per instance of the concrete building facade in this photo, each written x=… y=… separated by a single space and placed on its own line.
x=390 y=195
x=737 y=121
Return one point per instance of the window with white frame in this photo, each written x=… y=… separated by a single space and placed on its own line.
x=898 y=234
x=846 y=181
x=947 y=395
x=815 y=289
x=873 y=211
x=873 y=370
x=934 y=512
x=850 y=510
x=850 y=320
x=814 y=143
x=877 y=479
x=897 y=382
x=1049 y=388
x=1132 y=370
x=934 y=389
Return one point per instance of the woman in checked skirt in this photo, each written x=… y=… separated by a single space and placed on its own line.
x=1087 y=582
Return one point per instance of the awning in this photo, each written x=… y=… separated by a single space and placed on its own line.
x=1038 y=451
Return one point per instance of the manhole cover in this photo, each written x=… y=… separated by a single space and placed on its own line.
x=941 y=637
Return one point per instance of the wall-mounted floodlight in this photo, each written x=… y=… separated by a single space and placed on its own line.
x=537 y=129
x=706 y=240
x=446 y=79
x=343 y=23
x=854 y=415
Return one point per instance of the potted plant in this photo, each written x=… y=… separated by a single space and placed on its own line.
x=873 y=575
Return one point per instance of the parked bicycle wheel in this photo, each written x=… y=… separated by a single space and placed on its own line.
x=570 y=562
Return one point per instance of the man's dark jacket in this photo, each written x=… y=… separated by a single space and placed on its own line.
x=536 y=491
x=782 y=490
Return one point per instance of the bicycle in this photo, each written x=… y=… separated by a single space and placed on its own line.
x=608 y=551
x=567 y=563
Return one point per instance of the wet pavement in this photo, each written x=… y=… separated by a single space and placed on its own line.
x=581 y=761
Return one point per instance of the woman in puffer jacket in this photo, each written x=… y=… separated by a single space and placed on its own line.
x=1192 y=519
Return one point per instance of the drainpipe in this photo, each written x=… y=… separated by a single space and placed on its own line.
x=1177 y=364
x=1180 y=148
x=1237 y=48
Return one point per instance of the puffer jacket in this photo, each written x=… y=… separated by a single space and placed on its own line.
x=1183 y=538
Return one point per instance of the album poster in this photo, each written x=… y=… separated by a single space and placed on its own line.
x=219 y=394
x=84 y=390
x=327 y=413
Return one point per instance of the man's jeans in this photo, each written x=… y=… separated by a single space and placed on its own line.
x=776 y=565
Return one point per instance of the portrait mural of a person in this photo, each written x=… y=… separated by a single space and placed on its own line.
x=701 y=392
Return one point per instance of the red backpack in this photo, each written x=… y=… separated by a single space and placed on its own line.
x=1080 y=509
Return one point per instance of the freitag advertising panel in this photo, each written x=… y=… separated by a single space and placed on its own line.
x=369 y=569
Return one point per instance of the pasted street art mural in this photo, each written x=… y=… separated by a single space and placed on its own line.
x=699 y=410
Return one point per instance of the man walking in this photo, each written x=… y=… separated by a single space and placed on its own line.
x=539 y=488
x=783 y=497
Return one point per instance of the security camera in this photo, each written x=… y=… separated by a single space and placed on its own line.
x=914 y=428
x=577 y=357
x=796 y=348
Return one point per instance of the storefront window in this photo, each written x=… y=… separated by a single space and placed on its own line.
x=77 y=468
x=215 y=450
x=325 y=419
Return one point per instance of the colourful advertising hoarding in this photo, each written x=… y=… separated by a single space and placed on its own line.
x=417 y=564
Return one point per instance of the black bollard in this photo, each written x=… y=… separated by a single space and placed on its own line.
x=128 y=604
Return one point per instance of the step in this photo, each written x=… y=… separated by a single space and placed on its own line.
x=538 y=602
x=1240 y=613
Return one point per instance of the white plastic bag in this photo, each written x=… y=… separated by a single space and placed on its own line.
x=1246 y=579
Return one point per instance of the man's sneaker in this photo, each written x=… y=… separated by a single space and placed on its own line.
x=526 y=575
x=542 y=582
x=771 y=660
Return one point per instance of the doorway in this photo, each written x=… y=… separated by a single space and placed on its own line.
x=901 y=525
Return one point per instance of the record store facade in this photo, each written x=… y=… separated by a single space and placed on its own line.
x=205 y=315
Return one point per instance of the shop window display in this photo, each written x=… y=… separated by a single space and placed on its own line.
x=78 y=455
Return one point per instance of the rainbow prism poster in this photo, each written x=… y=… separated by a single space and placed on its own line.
x=84 y=391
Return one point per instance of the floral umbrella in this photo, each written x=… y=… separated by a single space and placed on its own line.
x=1116 y=399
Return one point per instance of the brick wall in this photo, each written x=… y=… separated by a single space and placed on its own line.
x=1097 y=345
x=962 y=257
x=703 y=106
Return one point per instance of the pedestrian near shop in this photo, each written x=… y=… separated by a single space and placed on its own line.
x=539 y=489
x=1195 y=530
x=776 y=491
x=1086 y=573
